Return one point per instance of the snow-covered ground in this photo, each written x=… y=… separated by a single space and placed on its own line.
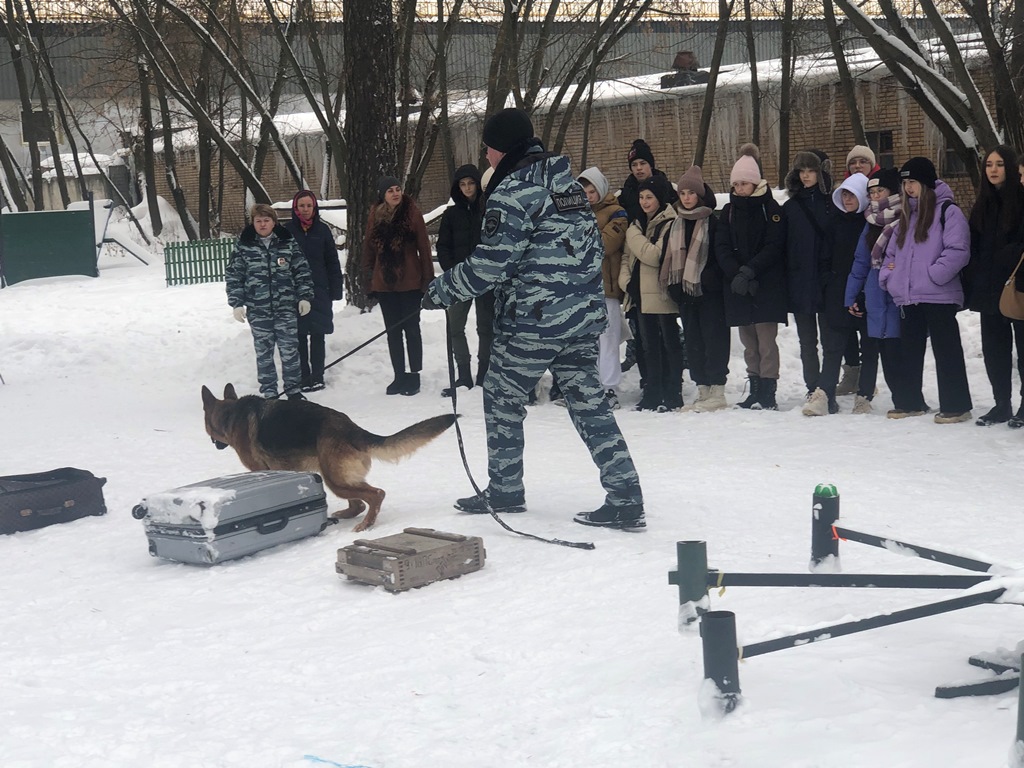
x=548 y=656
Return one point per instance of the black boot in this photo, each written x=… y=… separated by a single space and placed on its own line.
x=766 y=396
x=753 y=397
x=1017 y=420
x=395 y=387
x=465 y=379
x=1002 y=413
x=410 y=384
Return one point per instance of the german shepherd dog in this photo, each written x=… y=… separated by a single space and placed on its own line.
x=301 y=436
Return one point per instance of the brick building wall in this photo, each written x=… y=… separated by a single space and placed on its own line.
x=668 y=121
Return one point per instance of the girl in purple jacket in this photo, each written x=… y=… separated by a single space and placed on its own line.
x=921 y=271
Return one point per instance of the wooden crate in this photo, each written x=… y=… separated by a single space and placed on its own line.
x=413 y=558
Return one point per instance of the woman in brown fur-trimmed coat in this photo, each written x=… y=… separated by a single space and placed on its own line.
x=397 y=269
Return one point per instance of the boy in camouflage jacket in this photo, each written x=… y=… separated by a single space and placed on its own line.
x=269 y=283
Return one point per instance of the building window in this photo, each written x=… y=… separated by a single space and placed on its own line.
x=36 y=126
x=881 y=144
x=952 y=165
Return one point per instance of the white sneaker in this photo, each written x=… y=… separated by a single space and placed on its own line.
x=817 y=404
x=862 y=405
x=715 y=401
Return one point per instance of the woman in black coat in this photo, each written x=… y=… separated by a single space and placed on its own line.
x=317 y=243
x=997 y=238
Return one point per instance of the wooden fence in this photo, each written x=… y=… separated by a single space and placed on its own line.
x=198 y=261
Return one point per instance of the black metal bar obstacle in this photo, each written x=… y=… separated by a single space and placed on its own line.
x=691 y=577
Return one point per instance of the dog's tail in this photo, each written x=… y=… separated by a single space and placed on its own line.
x=410 y=439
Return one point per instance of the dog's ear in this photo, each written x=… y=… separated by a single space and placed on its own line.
x=208 y=398
x=229 y=392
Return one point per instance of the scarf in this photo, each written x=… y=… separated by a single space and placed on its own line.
x=681 y=264
x=885 y=214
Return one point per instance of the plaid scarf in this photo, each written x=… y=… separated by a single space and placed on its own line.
x=885 y=214
x=681 y=264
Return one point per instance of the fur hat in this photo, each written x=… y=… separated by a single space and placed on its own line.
x=692 y=180
x=504 y=130
x=660 y=187
x=808 y=160
x=861 y=151
x=640 y=151
x=886 y=177
x=748 y=166
x=384 y=183
x=856 y=184
x=920 y=169
x=596 y=179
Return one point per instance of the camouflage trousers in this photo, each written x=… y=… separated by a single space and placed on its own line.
x=516 y=366
x=281 y=331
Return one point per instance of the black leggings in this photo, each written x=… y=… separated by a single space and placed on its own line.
x=401 y=311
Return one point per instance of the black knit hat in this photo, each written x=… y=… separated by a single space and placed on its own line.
x=885 y=177
x=919 y=169
x=384 y=183
x=640 y=151
x=660 y=187
x=506 y=129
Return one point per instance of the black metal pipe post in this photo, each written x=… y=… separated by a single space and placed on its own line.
x=691 y=578
x=1017 y=755
x=914 y=550
x=873 y=622
x=721 y=656
x=865 y=580
x=824 y=513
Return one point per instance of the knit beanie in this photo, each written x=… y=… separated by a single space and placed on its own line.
x=384 y=183
x=660 y=187
x=746 y=168
x=640 y=151
x=919 y=169
x=596 y=179
x=692 y=180
x=861 y=151
x=504 y=130
x=885 y=177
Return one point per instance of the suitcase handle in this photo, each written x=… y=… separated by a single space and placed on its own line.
x=49 y=510
x=272 y=526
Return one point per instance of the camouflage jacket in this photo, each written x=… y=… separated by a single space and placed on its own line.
x=541 y=252
x=268 y=280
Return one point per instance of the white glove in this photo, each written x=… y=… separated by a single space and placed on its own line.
x=303 y=307
x=239 y=313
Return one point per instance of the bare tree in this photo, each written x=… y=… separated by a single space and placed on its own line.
x=724 y=16
x=369 y=44
x=755 y=88
x=846 y=82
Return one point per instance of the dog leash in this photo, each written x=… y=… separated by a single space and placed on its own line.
x=465 y=460
x=372 y=339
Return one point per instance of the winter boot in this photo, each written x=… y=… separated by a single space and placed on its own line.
x=623 y=518
x=766 y=396
x=411 y=384
x=485 y=504
x=465 y=379
x=612 y=399
x=817 y=405
x=952 y=418
x=702 y=394
x=395 y=387
x=1017 y=420
x=850 y=382
x=1001 y=413
x=861 y=405
x=755 y=392
x=715 y=400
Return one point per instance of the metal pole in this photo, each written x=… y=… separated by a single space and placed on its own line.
x=1017 y=753
x=691 y=576
x=873 y=622
x=913 y=550
x=824 y=513
x=721 y=657
x=866 y=580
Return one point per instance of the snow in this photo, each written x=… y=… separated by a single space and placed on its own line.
x=195 y=503
x=548 y=656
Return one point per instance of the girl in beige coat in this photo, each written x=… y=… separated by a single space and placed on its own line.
x=639 y=278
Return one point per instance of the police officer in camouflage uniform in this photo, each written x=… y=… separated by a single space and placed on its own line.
x=268 y=281
x=541 y=253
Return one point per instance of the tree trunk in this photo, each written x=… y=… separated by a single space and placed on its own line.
x=16 y=39
x=784 y=90
x=724 y=14
x=369 y=44
x=148 y=159
x=755 y=88
x=170 y=165
x=846 y=83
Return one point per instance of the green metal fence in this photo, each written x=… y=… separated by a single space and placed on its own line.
x=198 y=261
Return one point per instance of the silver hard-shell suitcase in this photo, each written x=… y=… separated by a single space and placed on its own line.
x=233 y=516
